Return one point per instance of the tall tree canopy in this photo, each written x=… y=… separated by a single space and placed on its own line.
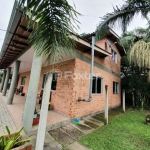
x=135 y=79
x=122 y=16
x=137 y=44
x=53 y=22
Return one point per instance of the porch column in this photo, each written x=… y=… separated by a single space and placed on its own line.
x=6 y=81
x=32 y=93
x=3 y=80
x=44 y=113
x=13 y=82
x=123 y=100
x=106 y=104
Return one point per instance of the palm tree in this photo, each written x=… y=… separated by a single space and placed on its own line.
x=122 y=16
x=53 y=22
x=137 y=44
x=128 y=39
x=135 y=76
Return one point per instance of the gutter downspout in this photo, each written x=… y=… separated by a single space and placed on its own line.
x=91 y=73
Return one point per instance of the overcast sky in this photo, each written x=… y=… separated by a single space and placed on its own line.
x=91 y=11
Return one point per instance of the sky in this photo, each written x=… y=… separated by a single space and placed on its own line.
x=91 y=10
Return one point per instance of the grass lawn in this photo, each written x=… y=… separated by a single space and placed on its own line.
x=125 y=132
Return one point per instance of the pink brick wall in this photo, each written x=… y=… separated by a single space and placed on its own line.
x=81 y=89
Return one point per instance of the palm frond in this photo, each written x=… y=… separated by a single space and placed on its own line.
x=122 y=16
x=55 y=21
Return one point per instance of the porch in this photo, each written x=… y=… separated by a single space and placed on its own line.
x=16 y=110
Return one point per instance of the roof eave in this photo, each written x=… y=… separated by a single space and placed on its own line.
x=88 y=44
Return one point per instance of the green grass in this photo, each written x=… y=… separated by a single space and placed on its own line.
x=125 y=132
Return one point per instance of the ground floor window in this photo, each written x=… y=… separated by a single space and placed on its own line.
x=97 y=85
x=54 y=81
x=23 y=80
x=115 y=87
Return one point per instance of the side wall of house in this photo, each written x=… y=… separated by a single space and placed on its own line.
x=81 y=89
x=105 y=68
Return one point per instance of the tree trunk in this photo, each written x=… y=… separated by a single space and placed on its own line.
x=142 y=103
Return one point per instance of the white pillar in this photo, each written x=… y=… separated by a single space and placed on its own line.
x=106 y=103
x=32 y=93
x=3 y=80
x=43 y=114
x=123 y=100
x=13 y=82
x=6 y=81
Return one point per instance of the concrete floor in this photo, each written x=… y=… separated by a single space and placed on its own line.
x=16 y=112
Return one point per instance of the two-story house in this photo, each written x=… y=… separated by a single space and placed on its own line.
x=71 y=77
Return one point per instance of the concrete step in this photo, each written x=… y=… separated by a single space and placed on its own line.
x=91 y=124
x=83 y=127
x=62 y=137
x=72 y=131
x=97 y=122
x=99 y=117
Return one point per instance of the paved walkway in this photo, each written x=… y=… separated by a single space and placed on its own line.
x=5 y=119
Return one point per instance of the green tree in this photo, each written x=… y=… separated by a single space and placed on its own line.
x=53 y=21
x=84 y=34
x=137 y=44
x=135 y=80
x=122 y=16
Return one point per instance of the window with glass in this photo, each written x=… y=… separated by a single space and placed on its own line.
x=23 y=80
x=54 y=81
x=97 y=85
x=114 y=56
x=115 y=88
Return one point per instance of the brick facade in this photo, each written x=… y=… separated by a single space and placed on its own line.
x=81 y=89
x=72 y=85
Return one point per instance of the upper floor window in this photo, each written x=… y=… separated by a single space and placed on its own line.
x=115 y=87
x=97 y=85
x=54 y=81
x=114 y=56
x=23 y=80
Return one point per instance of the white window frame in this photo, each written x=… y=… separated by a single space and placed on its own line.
x=96 y=85
x=42 y=87
x=115 y=87
x=114 y=56
x=21 y=81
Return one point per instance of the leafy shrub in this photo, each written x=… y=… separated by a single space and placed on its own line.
x=11 y=140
